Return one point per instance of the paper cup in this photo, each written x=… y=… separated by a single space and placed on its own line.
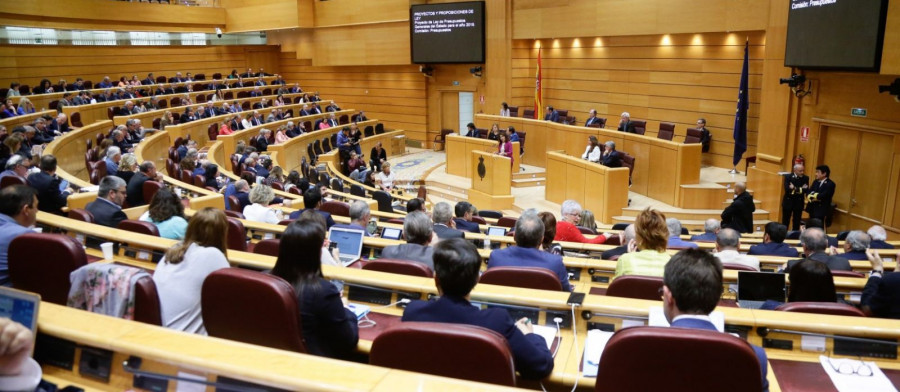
x=107 y=248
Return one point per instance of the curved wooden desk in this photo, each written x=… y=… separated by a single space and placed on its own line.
x=27 y=119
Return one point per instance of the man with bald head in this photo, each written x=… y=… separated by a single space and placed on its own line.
x=814 y=244
x=795 y=186
x=529 y=234
x=739 y=215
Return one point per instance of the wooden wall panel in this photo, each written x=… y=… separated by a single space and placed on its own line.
x=394 y=95
x=890 y=57
x=676 y=78
x=110 y=15
x=335 y=13
x=374 y=44
x=29 y=64
x=253 y=15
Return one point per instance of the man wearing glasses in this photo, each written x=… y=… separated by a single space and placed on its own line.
x=692 y=287
x=107 y=209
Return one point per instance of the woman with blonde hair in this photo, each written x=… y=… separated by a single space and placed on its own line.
x=180 y=274
x=166 y=120
x=127 y=165
x=25 y=106
x=587 y=220
x=259 y=211
x=647 y=252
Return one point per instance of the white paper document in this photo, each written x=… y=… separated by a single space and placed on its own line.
x=548 y=333
x=593 y=348
x=877 y=382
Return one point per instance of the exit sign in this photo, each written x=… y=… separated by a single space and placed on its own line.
x=858 y=112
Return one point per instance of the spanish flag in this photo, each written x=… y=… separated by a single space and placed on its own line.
x=538 y=100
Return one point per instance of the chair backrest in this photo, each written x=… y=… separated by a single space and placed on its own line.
x=251 y=307
x=479 y=220
x=384 y=201
x=847 y=274
x=451 y=348
x=234 y=214
x=199 y=181
x=506 y=221
x=832 y=308
x=11 y=180
x=268 y=247
x=336 y=208
x=528 y=113
x=357 y=190
x=76 y=120
x=666 y=131
x=628 y=161
x=237 y=236
x=212 y=131
x=636 y=286
x=379 y=128
x=586 y=230
x=326 y=144
x=640 y=127
x=706 y=360
x=369 y=130
x=693 y=136
x=151 y=187
x=146 y=302
x=81 y=214
x=490 y=214
x=234 y=204
x=140 y=227
x=526 y=277
x=402 y=267
x=45 y=272
x=600 y=123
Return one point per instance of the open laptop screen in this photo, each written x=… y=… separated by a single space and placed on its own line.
x=349 y=241
x=20 y=306
x=760 y=286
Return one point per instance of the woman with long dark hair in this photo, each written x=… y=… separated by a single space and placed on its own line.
x=167 y=213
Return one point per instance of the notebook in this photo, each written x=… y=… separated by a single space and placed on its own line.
x=349 y=243
x=20 y=306
x=390 y=233
x=755 y=288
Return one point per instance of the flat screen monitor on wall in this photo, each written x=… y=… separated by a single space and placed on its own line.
x=835 y=34
x=447 y=33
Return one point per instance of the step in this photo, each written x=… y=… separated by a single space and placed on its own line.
x=448 y=195
x=529 y=182
x=530 y=174
x=689 y=214
x=692 y=224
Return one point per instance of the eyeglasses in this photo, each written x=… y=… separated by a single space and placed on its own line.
x=852 y=367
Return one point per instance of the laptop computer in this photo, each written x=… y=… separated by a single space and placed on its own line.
x=755 y=288
x=20 y=306
x=349 y=243
x=391 y=233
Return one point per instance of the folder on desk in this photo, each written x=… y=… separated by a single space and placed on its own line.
x=593 y=348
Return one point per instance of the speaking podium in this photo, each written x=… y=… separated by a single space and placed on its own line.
x=491 y=181
x=459 y=148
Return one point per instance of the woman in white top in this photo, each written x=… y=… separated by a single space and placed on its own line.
x=259 y=211
x=179 y=275
x=504 y=110
x=593 y=152
x=386 y=178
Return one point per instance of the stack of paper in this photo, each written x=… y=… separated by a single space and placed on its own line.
x=593 y=348
x=877 y=382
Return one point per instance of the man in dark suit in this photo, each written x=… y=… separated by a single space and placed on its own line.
x=551 y=115
x=333 y=107
x=692 y=287
x=361 y=117
x=795 y=186
x=444 y=226
x=150 y=79
x=610 y=157
x=705 y=135
x=260 y=82
x=881 y=295
x=817 y=223
x=879 y=237
x=814 y=245
x=820 y=193
x=50 y=197
x=457 y=267
x=739 y=215
x=248 y=74
x=135 y=190
x=107 y=209
x=592 y=118
x=464 y=211
x=625 y=124
x=625 y=237
x=418 y=233
x=312 y=200
x=304 y=111
x=773 y=243
x=855 y=245
x=528 y=235
x=710 y=231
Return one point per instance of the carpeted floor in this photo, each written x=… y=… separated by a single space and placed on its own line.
x=415 y=165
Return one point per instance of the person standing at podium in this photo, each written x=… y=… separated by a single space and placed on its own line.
x=795 y=186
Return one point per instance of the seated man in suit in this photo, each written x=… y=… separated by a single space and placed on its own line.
x=471 y=131
x=625 y=237
x=692 y=287
x=456 y=267
x=773 y=242
x=675 y=240
x=814 y=245
x=418 y=232
x=18 y=212
x=592 y=118
x=879 y=238
x=52 y=199
x=107 y=209
x=610 y=157
x=728 y=245
x=312 y=200
x=444 y=226
x=881 y=295
x=464 y=211
x=135 y=189
x=359 y=217
x=710 y=229
x=625 y=124
x=529 y=234
x=150 y=79
x=855 y=245
x=551 y=115
x=818 y=224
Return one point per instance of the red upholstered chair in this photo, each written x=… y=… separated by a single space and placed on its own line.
x=396 y=221
x=140 y=227
x=640 y=126
x=41 y=263
x=586 y=230
x=336 y=208
x=402 y=267
x=237 y=235
x=252 y=307
x=666 y=131
x=847 y=274
x=150 y=189
x=234 y=214
x=451 y=348
x=525 y=277
x=514 y=111
x=76 y=120
x=440 y=139
x=212 y=131
x=234 y=204
x=506 y=221
x=479 y=220
x=628 y=161
x=199 y=181
x=832 y=308
x=81 y=215
x=146 y=302
x=11 y=180
x=637 y=287
x=706 y=360
x=693 y=136
x=528 y=113
x=267 y=247
x=738 y=267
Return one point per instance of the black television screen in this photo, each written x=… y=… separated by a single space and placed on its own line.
x=835 y=34
x=447 y=33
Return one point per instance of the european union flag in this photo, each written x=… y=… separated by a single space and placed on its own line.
x=740 y=118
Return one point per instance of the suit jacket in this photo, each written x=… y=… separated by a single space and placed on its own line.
x=105 y=212
x=627 y=127
x=834 y=263
x=773 y=249
x=531 y=356
x=304 y=113
x=739 y=215
x=261 y=144
x=798 y=183
x=444 y=232
x=135 y=190
x=464 y=225
x=825 y=191
x=703 y=324
x=879 y=244
x=412 y=252
x=705 y=237
x=855 y=255
x=50 y=199
x=882 y=295
x=617 y=251
x=592 y=120
x=148 y=81
x=613 y=159
x=329 y=221
x=552 y=116
x=515 y=256
x=329 y=329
